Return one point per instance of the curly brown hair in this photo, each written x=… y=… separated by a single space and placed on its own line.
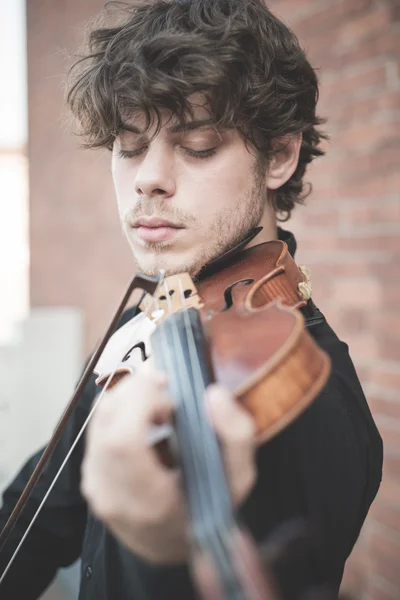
x=245 y=61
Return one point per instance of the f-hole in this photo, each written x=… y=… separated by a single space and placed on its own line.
x=142 y=349
x=228 y=297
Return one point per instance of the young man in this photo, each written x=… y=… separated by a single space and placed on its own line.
x=209 y=109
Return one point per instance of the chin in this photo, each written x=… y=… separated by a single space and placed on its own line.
x=171 y=263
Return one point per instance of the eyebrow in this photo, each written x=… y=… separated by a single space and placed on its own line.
x=177 y=128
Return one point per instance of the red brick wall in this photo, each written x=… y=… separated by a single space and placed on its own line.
x=78 y=257
x=349 y=233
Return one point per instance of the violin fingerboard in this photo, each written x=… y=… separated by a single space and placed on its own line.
x=179 y=348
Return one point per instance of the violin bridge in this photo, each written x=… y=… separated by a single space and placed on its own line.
x=174 y=293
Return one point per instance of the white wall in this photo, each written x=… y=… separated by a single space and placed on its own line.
x=38 y=371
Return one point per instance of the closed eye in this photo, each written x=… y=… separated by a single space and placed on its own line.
x=190 y=152
x=131 y=153
x=201 y=153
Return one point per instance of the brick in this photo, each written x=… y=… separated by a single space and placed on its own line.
x=381 y=589
x=353 y=321
x=368 y=136
x=351 y=290
x=339 y=269
x=389 y=347
x=392 y=295
x=359 y=170
x=394 y=10
x=383 y=542
x=385 y=567
x=378 y=46
x=388 y=273
x=354 y=244
x=365 y=27
x=382 y=213
x=292 y=8
x=392 y=469
x=386 y=515
x=379 y=107
x=353 y=581
x=374 y=187
x=388 y=378
x=387 y=324
x=327 y=218
x=320 y=49
x=381 y=406
x=389 y=491
x=330 y=16
x=363 y=346
x=389 y=428
x=340 y=90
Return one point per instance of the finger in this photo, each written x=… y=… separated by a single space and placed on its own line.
x=236 y=431
x=137 y=402
x=119 y=430
x=119 y=451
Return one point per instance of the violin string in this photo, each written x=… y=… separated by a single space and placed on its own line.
x=257 y=593
x=178 y=372
x=189 y=441
x=224 y=537
x=214 y=473
x=224 y=540
x=73 y=446
x=192 y=410
x=222 y=550
x=203 y=420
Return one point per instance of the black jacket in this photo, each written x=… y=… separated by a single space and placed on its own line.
x=325 y=468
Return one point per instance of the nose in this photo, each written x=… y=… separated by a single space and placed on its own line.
x=155 y=176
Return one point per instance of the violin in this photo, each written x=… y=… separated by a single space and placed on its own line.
x=237 y=323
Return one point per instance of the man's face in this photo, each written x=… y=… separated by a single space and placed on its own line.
x=186 y=196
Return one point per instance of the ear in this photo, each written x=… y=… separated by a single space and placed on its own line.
x=284 y=162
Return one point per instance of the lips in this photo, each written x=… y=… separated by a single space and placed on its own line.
x=155 y=223
x=155 y=229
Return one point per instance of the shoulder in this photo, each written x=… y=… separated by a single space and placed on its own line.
x=335 y=440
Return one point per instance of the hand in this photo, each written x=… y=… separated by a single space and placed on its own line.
x=123 y=480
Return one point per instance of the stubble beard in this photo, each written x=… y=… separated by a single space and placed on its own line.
x=230 y=227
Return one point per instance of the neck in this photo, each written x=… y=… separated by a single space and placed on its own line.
x=269 y=229
x=267 y=234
